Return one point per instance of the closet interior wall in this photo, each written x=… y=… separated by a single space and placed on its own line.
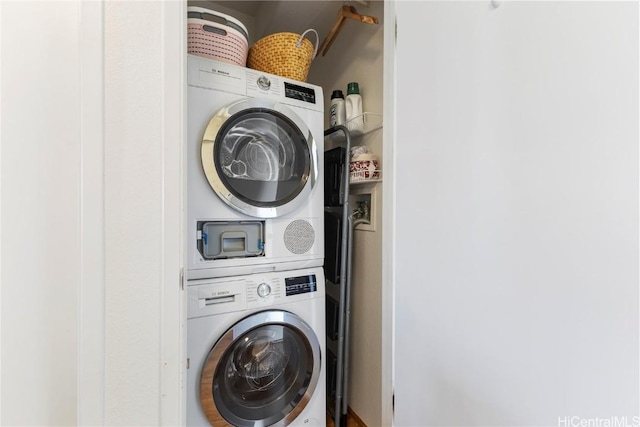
x=356 y=55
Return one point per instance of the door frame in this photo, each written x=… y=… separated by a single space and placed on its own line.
x=388 y=214
x=174 y=298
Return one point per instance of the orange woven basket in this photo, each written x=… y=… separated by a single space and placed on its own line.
x=284 y=54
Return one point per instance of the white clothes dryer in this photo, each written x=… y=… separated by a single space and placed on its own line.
x=255 y=350
x=254 y=171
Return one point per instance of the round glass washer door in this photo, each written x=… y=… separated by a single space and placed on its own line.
x=261 y=372
x=260 y=158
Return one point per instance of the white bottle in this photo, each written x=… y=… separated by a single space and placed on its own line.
x=337 y=113
x=354 y=107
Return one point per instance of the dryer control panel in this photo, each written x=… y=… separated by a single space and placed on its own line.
x=301 y=93
x=211 y=74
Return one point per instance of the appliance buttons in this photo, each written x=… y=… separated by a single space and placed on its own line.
x=264 y=83
x=264 y=290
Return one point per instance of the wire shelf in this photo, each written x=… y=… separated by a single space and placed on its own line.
x=358 y=126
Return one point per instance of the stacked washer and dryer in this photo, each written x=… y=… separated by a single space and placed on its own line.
x=255 y=250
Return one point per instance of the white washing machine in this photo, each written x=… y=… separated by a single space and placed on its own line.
x=255 y=350
x=254 y=171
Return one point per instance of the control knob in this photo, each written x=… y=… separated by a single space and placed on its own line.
x=264 y=83
x=264 y=290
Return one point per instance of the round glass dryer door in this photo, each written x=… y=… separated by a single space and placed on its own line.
x=262 y=371
x=260 y=158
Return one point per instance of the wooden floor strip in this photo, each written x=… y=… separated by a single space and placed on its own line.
x=355 y=417
x=353 y=420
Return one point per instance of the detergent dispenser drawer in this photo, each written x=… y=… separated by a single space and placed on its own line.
x=230 y=239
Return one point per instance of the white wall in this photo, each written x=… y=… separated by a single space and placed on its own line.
x=516 y=268
x=91 y=203
x=41 y=197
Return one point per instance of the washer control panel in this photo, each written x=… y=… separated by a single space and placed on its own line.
x=277 y=288
x=255 y=291
x=301 y=284
x=263 y=290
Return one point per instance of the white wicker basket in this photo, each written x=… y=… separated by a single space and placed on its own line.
x=214 y=35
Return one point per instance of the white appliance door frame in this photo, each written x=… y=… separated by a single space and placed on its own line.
x=246 y=351
x=260 y=158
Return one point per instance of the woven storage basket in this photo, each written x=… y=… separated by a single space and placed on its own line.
x=215 y=35
x=284 y=54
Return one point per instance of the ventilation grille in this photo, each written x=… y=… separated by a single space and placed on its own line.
x=299 y=237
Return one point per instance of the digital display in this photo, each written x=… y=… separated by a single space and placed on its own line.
x=301 y=284
x=299 y=92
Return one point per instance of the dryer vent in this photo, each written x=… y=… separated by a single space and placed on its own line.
x=299 y=236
